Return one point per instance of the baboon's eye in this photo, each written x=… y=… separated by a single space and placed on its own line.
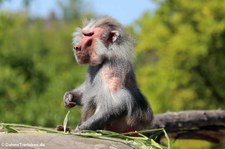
x=88 y=33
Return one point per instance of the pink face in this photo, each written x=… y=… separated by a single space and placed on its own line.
x=85 y=49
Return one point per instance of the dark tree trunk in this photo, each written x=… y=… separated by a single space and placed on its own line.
x=197 y=124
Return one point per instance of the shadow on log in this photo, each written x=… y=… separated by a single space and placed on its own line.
x=206 y=125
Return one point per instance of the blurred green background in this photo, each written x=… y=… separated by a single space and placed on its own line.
x=180 y=60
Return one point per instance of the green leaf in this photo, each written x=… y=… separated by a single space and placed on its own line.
x=9 y=129
x=65 y=121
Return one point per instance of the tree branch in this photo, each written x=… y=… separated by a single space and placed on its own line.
x=197 y=124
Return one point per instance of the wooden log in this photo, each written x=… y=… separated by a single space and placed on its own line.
x=195 y=124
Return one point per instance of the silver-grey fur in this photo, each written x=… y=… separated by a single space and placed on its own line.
x=101 y=107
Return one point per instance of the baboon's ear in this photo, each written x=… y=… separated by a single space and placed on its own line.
x=114 y=35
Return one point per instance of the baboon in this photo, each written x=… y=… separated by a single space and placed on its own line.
x=109 y=96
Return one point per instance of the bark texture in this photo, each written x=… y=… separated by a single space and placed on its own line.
x=196 y=124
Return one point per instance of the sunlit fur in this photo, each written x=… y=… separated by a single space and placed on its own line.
x=110 y=96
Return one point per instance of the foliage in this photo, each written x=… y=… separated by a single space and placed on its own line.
x=37 y=66
x=181 y=51
x=73 y=9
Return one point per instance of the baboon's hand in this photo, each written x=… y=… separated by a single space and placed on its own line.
x=69 y=100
